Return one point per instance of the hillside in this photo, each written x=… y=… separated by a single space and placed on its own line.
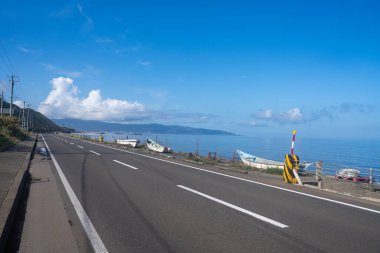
x=89 y=125
x=39 y=122
x=10 y=127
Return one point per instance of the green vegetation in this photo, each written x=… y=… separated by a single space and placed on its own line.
x=10 y=132
x=274 y=171
x=38 y=122
x=10 y=127
x=240 y=166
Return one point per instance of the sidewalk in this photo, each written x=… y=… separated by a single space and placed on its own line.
x=46 y=227
x=13 y=165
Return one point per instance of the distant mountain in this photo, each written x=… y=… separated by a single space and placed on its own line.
x=92 y=125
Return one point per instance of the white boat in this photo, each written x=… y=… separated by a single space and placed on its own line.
x=128 y=142
x=261 y=163
x=258 y=162
x=154 y=146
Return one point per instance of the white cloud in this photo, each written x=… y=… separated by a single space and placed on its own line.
x=145 y=63
x=103 y=40
x=88 y=21
x=123 y=51
x=28 y=50
x=19 y=103
x=85 y=71
x=297 y=115
x=64 y=102
x=292 y=115
x=266 y=114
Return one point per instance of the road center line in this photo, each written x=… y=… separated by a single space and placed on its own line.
x=94 y=152
x=130 y=166
x=246 y=180
x=93 y=236
x=71 y=143
x=79 y=146
x=255 y=215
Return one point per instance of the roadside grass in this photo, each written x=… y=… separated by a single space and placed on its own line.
x=10 y=132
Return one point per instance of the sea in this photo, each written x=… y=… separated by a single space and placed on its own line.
x=335 y=154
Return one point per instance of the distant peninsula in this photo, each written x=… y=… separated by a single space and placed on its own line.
x=97 y=126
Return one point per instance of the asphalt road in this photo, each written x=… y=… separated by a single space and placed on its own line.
x=139 y=204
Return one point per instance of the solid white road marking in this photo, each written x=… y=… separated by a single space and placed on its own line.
x=247 y=180
x=79 y=146
x=94 y=152
x=255 y=215
x=93 y=236
x=130 y=166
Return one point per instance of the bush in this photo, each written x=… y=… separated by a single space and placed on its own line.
x=10 y=132
x=11 y=125
x=4 y=143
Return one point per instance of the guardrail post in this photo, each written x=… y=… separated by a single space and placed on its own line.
x=370 y=176
x=318 y=173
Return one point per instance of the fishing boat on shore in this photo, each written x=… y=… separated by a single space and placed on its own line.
x=261 y=163
x=127 y=142
x=154 y=146
x=258 y=162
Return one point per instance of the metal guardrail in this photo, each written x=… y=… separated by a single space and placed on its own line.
x=327 y=171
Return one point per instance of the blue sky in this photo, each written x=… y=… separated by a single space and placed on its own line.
x=258 y=68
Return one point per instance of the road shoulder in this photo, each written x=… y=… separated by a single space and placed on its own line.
x=46 y=226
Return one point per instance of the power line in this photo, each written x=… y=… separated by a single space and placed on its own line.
x=6 y=59
x=2 y=70
x=4 y=85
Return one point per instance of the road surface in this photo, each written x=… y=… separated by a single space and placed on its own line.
x=130 y=202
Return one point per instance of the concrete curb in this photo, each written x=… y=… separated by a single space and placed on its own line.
x=12 y=199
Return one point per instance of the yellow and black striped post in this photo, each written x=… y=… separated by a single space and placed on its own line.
x=291 y=162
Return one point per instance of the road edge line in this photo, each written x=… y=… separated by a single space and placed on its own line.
x=96 y=242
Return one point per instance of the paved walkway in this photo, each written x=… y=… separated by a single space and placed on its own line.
x=11 y=162
x=46 y=227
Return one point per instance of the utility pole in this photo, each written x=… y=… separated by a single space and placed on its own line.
x=2 y=99
x=19 y=114
x=27 y=120
x=12 y=85
x=31 y=119
x=23 y=118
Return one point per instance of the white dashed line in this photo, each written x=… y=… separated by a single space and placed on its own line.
x=94 y=152
x=255 y=215
x=245 y=180
x=130 y=166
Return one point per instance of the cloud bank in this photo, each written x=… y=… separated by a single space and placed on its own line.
x=292 y=115
x=64 y=102
x=297 y=115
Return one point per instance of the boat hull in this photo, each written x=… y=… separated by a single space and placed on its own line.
x=153 y=146
x=132 y=143
x=258 y=162
x=262 y=166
